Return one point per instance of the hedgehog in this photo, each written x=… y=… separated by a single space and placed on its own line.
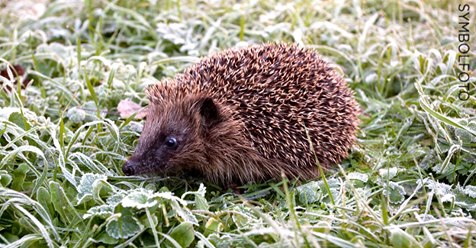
x=248 y=115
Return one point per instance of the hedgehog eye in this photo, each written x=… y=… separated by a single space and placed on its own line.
x=171 y=143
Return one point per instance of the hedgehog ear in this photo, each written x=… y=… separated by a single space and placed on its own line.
x=209 y=112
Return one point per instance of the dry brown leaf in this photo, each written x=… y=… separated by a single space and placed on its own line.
x=126 y=108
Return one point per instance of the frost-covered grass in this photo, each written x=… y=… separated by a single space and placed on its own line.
x=410 y=181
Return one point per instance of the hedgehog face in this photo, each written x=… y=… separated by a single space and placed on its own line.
x=172 y=138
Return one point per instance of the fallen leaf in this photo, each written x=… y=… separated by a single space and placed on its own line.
x=11 y=73
x=126 y=108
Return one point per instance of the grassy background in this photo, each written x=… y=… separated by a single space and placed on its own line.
x=410 y=181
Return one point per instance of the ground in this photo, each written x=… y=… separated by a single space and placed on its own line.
x=65 y=66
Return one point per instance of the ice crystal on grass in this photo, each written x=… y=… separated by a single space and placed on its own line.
x=394 y=192
x=139 y=200
x=88 y=186
x=123 y=227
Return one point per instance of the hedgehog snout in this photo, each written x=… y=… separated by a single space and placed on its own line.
x=130 y=166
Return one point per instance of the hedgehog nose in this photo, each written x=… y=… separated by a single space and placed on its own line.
x=129 y=166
